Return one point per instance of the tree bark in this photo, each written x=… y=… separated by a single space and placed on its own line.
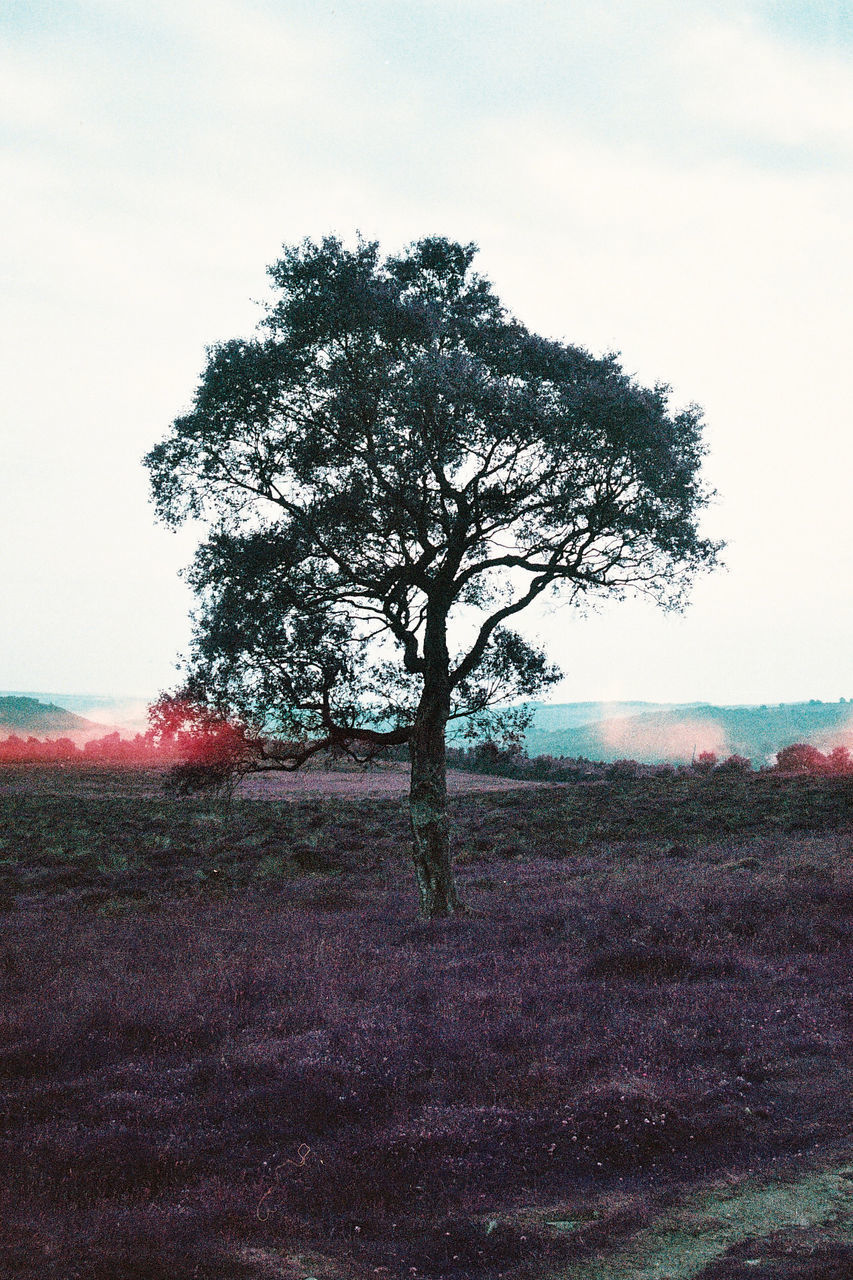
x=428 y=804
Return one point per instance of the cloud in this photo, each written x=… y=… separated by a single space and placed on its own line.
x=634 y=182
x=759 y=87
x=30 y=95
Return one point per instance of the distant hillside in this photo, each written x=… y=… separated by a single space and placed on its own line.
x=123 y=713
x=648 y=731
x=571 y=715
x=673 y=733
x=29 y=717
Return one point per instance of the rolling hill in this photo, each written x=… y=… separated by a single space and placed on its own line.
x=27 y=717
x=674 y=733
x=648 y=731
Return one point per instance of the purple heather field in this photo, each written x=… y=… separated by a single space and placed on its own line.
x=230 y=1050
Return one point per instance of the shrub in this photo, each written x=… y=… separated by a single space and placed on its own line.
x=623 y=769
x=735 y=764
x=801 y=757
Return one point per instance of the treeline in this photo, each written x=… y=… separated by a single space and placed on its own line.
x=513 y=762
x=220 y=745
x=142 y=749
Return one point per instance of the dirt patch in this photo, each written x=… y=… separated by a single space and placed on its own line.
x=389 y=779
x=383 y=780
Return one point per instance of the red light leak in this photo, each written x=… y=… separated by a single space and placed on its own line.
x=180 y=733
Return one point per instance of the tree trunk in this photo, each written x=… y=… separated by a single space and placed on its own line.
x=428 y=805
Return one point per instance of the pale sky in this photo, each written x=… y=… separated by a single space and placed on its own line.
x=672 y=179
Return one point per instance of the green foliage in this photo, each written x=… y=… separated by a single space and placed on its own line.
x=394 y=455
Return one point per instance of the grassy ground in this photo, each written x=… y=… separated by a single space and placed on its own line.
x=228 y=1049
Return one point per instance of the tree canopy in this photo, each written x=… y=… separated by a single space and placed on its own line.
x=391 y=470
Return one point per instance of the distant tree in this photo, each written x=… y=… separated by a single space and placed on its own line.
x=801 y=757
x=103 y=748
x=391 y=471
x=624 y=768
x=839 y=760
x=735 y=764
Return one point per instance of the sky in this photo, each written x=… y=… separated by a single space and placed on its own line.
x=670 y=179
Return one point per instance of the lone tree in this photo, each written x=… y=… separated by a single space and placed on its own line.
x=391 y=471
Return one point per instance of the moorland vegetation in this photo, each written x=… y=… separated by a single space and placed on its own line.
x=230 y=1050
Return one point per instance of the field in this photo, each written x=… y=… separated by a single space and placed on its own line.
x=229 y=1050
